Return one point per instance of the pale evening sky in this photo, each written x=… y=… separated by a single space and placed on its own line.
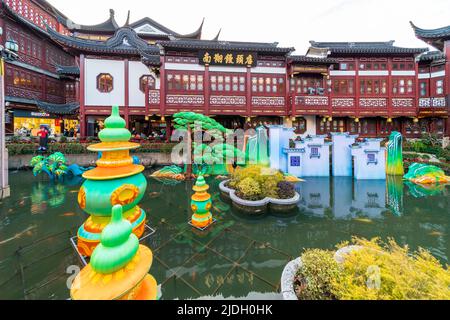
x=291 y=23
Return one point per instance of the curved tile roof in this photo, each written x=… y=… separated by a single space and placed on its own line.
x=434 y=37
x=124 y=41
x=108 y=26
x=443 y=32
x=314 y=60
x=68 y=70
x=271 y=48
x=194 y=35
x=386 y=47
x=431 y=56
x=58 y=109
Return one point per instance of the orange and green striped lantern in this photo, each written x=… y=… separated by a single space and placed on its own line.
x=201 y=204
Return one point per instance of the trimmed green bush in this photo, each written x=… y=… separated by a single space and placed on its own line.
x=249 y=189
x=81 y=148
x=313 y=280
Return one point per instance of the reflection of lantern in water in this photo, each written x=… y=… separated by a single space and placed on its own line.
x=115 y=181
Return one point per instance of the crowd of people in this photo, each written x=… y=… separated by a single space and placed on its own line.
x=152 y=134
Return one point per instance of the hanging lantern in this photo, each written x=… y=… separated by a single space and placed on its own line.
x=389 y=120
x=416 y=120
x=163 y=118
x=146 y=118
x=330 y=119
x=357 y=120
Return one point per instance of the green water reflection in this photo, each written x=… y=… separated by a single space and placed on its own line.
x=236 y=256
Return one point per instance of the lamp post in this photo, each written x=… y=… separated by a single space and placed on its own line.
x=7 y=53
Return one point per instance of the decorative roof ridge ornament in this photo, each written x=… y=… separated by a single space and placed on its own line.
x=216 y=38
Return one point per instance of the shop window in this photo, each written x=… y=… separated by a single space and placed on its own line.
x=373 y=87
x=184 y=82
x=343 y=87
x=227 y=83
x=105 y=82
x=147 y=81
x=268 y=85
x=439 y=126
x=423 y=89
x=307 y=85
x=402 y=86
x=440 y=87
x=300 y=125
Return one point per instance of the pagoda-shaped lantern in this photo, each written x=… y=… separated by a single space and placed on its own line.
x=201 y=205
x=119 y=266
x=115 y=181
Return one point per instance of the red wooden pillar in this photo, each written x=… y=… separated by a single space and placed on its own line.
x=206 y=90
x=248 y=99
x=357 y=88
x=162 y=87
x=447 y=85
x=168 y=129
x=288 y=111
x=390 y=89
x=127 y=93
x=82 y=98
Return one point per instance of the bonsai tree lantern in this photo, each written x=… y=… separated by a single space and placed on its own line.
x=201 y=205
x=115 y=181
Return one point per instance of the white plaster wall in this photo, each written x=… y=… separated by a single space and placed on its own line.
x=94 y=97
x=310 y=126
x=136 y=70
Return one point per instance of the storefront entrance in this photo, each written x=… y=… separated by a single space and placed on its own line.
x=27 y=123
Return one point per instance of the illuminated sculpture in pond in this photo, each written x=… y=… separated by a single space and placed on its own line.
x=115 y=181
x=425 y=174
x=55 y=166
x=201 y=205
x=394 y=163
x=119 y=266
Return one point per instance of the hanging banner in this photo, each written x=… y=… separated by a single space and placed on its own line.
x=225 y=58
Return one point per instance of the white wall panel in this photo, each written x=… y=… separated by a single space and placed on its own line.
x=136 y=70
x=93 y=68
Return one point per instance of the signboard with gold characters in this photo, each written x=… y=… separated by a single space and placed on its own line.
x=224 y=58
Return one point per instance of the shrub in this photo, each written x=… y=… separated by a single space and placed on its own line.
x=249 y=189
x=286 y=190
x=387 y=271
x=267 y=180
x=80 y=148
x=313 y=280
x=63 y=139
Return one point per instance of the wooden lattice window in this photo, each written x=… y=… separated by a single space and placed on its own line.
x=147 y=81
x=105 y=82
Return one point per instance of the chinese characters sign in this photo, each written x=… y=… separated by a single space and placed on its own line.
x=223 y=58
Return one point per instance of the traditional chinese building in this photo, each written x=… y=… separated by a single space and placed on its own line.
x=152 y=72
x=434 y=80
x=40 y=86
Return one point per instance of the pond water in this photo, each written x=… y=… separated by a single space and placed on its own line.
x=237 y=257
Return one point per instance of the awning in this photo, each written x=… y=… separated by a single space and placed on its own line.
x=58 y=109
